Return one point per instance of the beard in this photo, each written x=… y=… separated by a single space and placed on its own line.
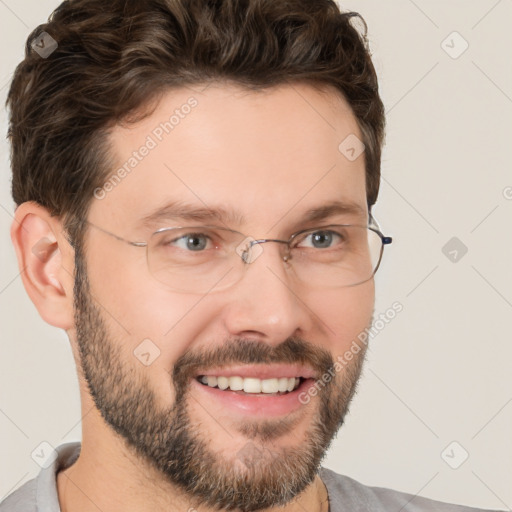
x=180 y=449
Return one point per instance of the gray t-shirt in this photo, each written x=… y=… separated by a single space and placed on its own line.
x=345 y=494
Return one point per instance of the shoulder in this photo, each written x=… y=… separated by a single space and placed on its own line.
x=22 y=499
x=40 y=493
x=347 y=494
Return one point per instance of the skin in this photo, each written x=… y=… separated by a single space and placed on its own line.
x=269 y=155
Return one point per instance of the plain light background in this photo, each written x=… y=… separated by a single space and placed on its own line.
x=440 y=372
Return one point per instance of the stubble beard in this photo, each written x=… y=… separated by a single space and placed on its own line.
x=262 y=474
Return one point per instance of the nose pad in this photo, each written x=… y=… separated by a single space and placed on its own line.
x=250 y=249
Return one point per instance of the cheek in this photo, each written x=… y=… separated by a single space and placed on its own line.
x=345 y=314
x=140 y=313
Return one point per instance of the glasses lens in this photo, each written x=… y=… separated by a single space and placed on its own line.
x=201 y=259
x=193 y=259
x=336 y=256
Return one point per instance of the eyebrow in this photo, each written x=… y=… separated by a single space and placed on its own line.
x=177 y=210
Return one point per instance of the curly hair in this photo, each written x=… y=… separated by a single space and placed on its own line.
x=112 y=60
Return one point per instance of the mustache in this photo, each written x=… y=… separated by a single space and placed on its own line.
x=293 y=350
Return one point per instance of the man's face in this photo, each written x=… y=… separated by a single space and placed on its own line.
x=270 y=157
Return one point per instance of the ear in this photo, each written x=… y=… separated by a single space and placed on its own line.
x=46 y=262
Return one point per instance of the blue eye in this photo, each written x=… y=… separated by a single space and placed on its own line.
x=321 y=239
x=191 y=241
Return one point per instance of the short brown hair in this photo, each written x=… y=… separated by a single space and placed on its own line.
x=114 y=57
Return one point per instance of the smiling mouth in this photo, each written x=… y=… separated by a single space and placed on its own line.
x=252 y=386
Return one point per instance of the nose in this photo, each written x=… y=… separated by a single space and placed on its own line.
x=266 y=303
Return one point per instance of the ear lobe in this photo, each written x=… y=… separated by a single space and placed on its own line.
x=46 y=262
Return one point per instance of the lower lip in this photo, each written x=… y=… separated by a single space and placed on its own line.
x=257 y=404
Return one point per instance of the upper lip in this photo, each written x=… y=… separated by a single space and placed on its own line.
x=261 y=371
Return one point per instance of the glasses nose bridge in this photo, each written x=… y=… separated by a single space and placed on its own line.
x=246 y=257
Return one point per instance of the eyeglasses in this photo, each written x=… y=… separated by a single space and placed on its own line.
x=197 y=259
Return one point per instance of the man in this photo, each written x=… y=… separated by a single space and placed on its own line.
x=194 y=183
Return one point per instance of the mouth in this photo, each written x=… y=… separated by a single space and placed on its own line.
x=255 y=390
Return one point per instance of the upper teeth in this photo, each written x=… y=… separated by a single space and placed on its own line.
x=251 y=385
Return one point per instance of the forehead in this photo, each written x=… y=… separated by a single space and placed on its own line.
x=265 y=155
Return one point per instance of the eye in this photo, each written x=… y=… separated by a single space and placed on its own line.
x=322 y=239
x=191 y=242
